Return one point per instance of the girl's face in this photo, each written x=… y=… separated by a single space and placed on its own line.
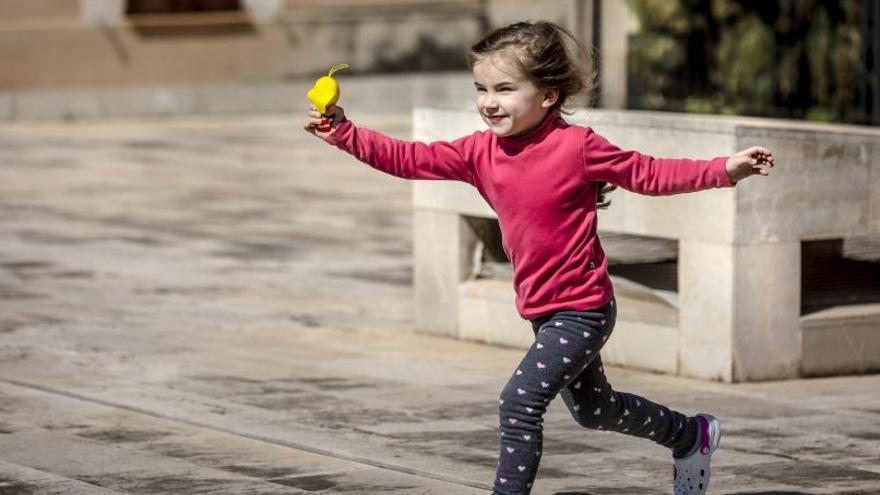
x=509 y=103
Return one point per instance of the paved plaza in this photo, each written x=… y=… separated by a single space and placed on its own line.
x=224 y=305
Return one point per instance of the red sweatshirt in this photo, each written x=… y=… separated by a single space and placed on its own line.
x=542 y=186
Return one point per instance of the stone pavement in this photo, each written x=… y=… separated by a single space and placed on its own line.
x=223 y=305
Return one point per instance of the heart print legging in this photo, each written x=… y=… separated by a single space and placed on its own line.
x=564 y=358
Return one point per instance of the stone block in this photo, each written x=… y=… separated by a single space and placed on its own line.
x=680 y=216
x=737 y=314
x=663 y=134
x=841 y=340
x=639 y=345
x=434 y=124
x=446 y=195
x=487 y=313
x=766 y=330
x=442 y=243
x=646 y=332
x=639 y=303
x=706 y=295
x=820 y=188
x=673 y=217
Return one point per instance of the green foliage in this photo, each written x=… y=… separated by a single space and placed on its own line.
x=785 y=58
x=744 y=68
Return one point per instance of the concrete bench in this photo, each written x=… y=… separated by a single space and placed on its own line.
x=737 y=313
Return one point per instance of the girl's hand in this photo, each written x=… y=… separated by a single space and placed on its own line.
x=749 y=162
x=318 y=125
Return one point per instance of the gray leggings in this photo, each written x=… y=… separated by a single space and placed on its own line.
x=565 y=359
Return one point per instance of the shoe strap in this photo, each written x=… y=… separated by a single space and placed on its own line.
x=704 y=435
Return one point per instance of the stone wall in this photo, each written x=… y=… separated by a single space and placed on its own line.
x=737 y=313
x=66 y=44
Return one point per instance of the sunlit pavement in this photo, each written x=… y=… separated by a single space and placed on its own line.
x=224 y=305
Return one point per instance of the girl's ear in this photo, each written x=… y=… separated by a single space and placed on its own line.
x=551 y=96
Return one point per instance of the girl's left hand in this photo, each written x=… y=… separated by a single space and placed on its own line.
x=756 y=160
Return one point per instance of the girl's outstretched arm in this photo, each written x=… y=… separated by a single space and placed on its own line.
x=406 y=159
x=645 y=174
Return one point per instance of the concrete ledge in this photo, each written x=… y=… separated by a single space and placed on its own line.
x=736 y=316
x=642 y=346
x=841 y=340
x=646 y=333
x=487 y=314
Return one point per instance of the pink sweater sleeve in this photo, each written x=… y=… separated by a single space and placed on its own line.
x=647 y=175
x=406 y=159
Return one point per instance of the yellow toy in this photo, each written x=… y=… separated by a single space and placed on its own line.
x=325 y=93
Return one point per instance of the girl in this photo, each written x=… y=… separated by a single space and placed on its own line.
x=544 y=178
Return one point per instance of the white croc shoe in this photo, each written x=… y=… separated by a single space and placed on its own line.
x=691 y=472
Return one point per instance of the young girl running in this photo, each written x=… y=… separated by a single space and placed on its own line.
x=544 y=178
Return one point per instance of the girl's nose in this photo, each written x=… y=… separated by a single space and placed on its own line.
x=489 y=105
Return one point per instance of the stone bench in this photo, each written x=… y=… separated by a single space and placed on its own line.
x=737 y=312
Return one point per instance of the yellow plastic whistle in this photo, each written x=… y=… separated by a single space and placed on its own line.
x=325 y=92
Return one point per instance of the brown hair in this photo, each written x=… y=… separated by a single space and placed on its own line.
x=551 y=57
x=547 y=54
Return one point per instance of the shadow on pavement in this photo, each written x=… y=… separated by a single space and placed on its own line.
x=771 y=493
x=733 y=493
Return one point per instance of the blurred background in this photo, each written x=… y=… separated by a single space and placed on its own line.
x=803 y=59
x=814 y=60
x=198 y=296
